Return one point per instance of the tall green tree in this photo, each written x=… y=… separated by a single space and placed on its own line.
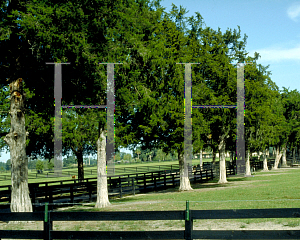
x=291 y=106
x=79 y=133
x=83 y=33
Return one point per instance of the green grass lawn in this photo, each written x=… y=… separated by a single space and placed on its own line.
x=273 y=189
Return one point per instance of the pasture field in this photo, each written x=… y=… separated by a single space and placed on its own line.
x=90 y=172
x=274 y=189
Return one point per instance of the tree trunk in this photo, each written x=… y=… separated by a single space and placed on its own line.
x=16 y=140
x=294 y=156
x=102 y=191
x=222 y=162
x=248 y=169
x=201 y=157
x=265 y=161
x=278 y=157
x=284 y=157
x=185 y=184
x=79 y=155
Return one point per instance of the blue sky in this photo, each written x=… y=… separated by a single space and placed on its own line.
x=272 y=27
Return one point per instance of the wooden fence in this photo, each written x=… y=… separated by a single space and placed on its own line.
x=118 y=170
x=117 y=185
x=187 y=215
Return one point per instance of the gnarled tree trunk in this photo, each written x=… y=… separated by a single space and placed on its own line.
x=102 y=191
x=16 y=140
x=185 y=184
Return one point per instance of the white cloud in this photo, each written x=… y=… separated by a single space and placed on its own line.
x=293 y=11
x=276 y=54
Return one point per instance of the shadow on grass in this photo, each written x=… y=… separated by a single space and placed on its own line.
x=210 y=184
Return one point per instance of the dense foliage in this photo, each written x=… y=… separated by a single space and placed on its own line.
x=149 y=84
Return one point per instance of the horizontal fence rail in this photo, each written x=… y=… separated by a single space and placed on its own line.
x=127 y=169
x=117 y=185
x=71 y=191
x=187 y=215
x=74 y=190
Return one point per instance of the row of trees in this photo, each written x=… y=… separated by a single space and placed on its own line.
x=39 y=165
x=149 y=85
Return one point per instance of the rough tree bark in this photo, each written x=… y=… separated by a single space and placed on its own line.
x=102 y=191
x=265 y=161
x=278 y=157
x=185 y=184
x=222 y=162
x=248 y=169
x=16 y=140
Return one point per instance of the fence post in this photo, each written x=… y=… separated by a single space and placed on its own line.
x=89 y=188
x=173 y=179
x=50 y=195
x=33 y=193
x=188 y=223
x=46 y=191
x=133 y=186
x=46 y=223
x=120 y=186
x=61 y=188
x=71 y=194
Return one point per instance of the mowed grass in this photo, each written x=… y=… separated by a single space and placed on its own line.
x=119 y=169
x=273 y=189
